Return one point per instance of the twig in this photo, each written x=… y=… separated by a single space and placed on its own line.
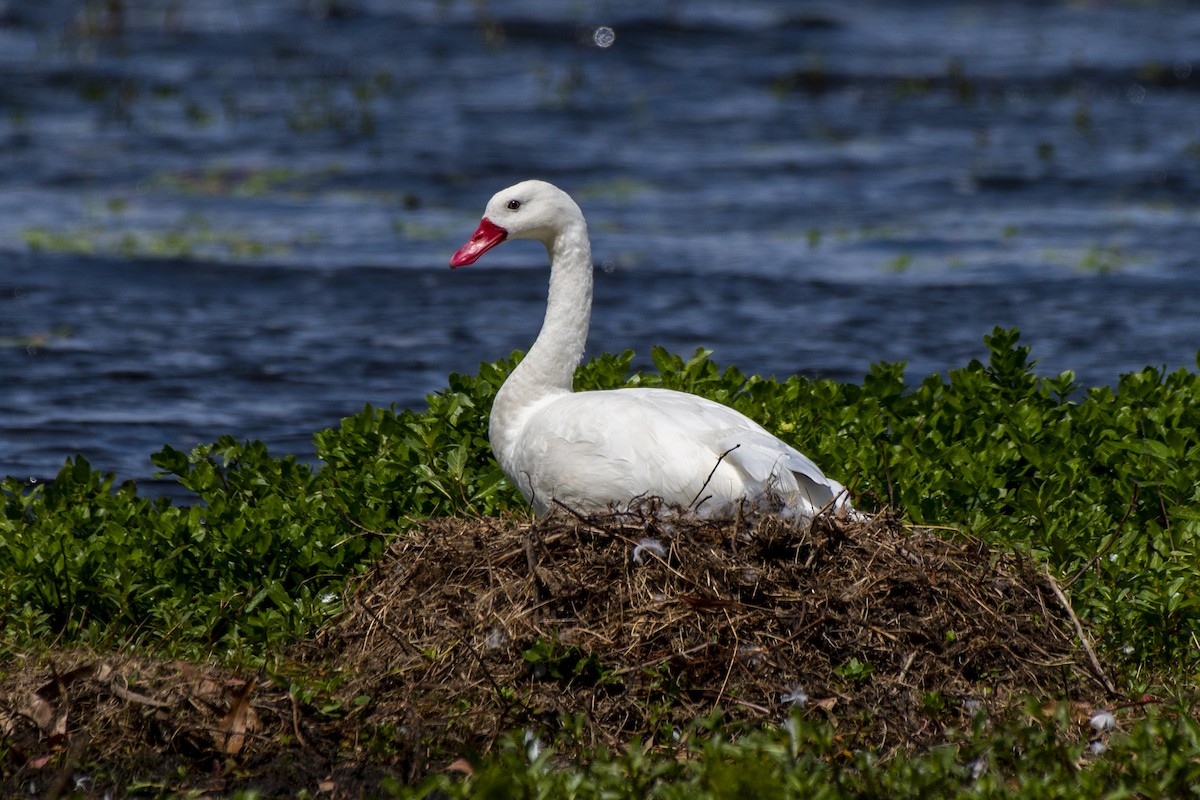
x=573 y=512
x=737 y=702
x=1105 y=681
x=296 y=720
x=1144 y=700
x=70 y=762
x=130 y=696
x=523 y=550
x=1133 y=498
x=487 y=674
x=531 y=560
x=887 y=472
x=656 y=661
x=355 y=523
x=844 y=494
x=737 y=643
x=404 y=644
x=692 y=505
x=821 y=620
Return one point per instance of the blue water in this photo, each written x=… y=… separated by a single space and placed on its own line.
x=235 y=217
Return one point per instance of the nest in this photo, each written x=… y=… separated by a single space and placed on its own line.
x=82 y=724
x=594 y=631
x=631 y=626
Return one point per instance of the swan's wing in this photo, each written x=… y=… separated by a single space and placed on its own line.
x=758 y=451
x=591 y=448
x=782 y=471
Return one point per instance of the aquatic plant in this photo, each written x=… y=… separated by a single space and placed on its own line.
x=191 y=238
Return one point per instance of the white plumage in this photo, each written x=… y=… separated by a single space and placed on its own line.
x=594 y=450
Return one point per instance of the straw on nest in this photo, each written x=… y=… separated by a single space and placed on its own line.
x=637 y=625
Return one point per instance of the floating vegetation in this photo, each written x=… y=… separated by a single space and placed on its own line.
x=227 y=180
x=345 y=110
x=1103 y=258
x=175 y=243
x=421 y=231
x=1082 y=118
x=38 y=239
x=622 y=188
x=33 y=342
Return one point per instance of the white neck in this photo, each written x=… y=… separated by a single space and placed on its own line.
x=548 y=368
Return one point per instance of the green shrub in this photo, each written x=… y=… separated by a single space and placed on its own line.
x=1037 y=757
x=253 y=562
x=1099 y=484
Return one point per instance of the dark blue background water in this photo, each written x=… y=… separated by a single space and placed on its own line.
x=235 y=216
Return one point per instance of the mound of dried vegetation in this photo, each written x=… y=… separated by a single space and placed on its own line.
x=588 y=631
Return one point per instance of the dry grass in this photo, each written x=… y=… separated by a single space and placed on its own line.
x=877 y=625
x=619 y=627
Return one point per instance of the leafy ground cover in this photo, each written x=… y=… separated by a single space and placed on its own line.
x=1095 y=487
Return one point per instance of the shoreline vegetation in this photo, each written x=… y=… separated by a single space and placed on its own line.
x=1018 y=619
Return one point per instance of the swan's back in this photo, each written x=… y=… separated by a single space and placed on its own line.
x=595 y=449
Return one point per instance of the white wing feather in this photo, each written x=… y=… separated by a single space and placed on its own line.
x=590 y=449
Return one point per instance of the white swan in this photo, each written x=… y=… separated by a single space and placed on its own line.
x=594 y=450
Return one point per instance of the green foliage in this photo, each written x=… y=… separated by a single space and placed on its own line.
x=255 y=561
x=1099 y=484
x=387 y=464
x=553 y=660
x=1034 y=758
x=187 y=239
x=854 y=670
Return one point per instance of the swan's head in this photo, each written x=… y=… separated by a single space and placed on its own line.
x=528 y=210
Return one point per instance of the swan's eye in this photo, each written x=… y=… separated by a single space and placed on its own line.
x=513 y=205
